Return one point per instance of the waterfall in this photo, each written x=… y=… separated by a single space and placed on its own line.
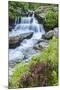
x=27 y=24
x=17 y=21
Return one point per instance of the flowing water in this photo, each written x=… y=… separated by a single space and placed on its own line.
x=25 y=50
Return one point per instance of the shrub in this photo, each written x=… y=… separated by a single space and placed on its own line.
x=51 y=20
x=37 y=76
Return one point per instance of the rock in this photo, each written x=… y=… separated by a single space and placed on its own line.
x=41 y=45
x=48 y=35
x=10 y=28
x=51 y=33
x=11 y=23
x=56 y=32
x=15 y=39
x=36 y=47
x=26 y=35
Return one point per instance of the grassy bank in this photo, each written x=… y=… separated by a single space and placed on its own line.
x=42 y=70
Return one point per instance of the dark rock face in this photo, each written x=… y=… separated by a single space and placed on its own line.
x=10 y=28
x=51 y=33
x=11 y=23
x=39 y=18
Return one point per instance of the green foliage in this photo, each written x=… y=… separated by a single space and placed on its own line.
x=51 y=19
x=16 y=8
x=42 y=70
x=20 y=69
x=49 y=55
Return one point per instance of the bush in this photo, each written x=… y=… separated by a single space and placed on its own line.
x=51 y=20
x=42 y=70
x=37 y=76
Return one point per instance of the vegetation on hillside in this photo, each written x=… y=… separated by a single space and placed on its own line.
x=16 y=8
x=42 y=70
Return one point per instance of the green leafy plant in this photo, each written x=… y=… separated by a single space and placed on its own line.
x=51 y=20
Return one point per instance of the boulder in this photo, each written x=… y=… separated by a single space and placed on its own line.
x=51 y=33
x=15 y=39
x=56 y=32
x=26 y=35
x=41 y=45
x=48 y=35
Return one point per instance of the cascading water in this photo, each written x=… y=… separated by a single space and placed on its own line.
x=27 y=24
x=17 y=21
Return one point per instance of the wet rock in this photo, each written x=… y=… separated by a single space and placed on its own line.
x=51 y=33
x=41 y=45
x=14 y=40
x=48 y=35
x=26 y=35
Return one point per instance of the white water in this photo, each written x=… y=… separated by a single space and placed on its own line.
x=27 y=24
